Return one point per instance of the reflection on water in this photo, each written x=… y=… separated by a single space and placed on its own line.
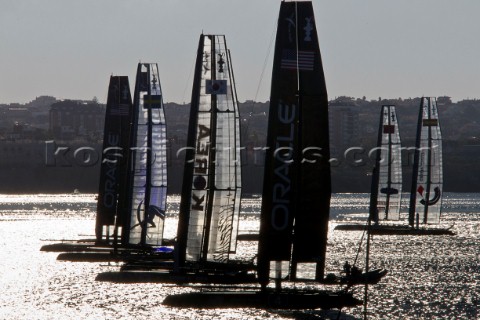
x=430 y=277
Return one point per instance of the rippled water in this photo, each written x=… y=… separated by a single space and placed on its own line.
x=430 y=277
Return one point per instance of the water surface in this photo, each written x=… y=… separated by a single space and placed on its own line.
x=430 y=277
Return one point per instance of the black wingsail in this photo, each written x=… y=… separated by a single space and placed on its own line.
x=297 y=184
x=115 y=148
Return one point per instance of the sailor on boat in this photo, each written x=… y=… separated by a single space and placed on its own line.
x=355 y=272
x=347 y=268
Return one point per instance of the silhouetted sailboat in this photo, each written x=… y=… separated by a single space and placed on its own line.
x=427 y=177
x=387 y=182
x=145 y=194
x=211 y=191
x=133 y=181
x=296 y=194
x=116 y=145
x=115 y=150
x=427 y=180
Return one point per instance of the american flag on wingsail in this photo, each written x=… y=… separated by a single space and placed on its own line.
x=119 y=110
x=305 y=61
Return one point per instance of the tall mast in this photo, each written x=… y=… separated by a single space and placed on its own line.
x=372 y=213
x=127 y=209
x=429 y=161
x=376 y=175
x=185 y=202
x=389 y=167
x=413 y=191
x=297 y=157
x=211 y=173
x=148 y=105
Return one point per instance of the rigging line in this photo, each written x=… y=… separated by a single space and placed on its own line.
x=188 y=80
x=360 y=244
x=269 y=50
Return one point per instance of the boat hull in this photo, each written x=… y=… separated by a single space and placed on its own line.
x=170 y=277
x=395 y=230
x=89 y=245
x=248 y=237
x=284 y=299
x=111 y=256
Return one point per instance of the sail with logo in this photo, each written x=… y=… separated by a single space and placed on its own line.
x=145 y=194
x=296 y=193
x=427 y=179
x=211 y=190
x=297 y=183
x=389 y=166
x=115 y=148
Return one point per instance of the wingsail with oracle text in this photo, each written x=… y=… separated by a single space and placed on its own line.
x=115 y=150
x=296 y=194
x=116 y=144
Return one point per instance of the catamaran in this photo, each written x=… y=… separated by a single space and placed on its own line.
x=427 y=180
x=427 y=177
x=116 y=138
x=211 y=190
x=387 y=183
x=145 y=194
x=115 y=148
x=133 y=178
x=296 y=192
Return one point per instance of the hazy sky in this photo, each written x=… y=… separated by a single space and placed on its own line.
x=386 y=48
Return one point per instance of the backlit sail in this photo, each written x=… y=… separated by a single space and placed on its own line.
x=211 y=190
x=427 y=185
x=390 y=166
x=147 y=187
